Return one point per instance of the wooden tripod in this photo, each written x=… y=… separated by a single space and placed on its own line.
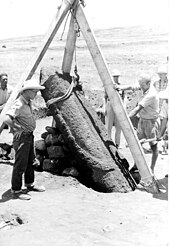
x=102 y=68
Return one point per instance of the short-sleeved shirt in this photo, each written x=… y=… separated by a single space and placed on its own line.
x=4 y=94
x=150 y=103
x=133 y=99
x=21 y=112
x=161 y=86
x=164 y=110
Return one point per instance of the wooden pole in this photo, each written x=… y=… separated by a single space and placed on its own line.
x=69 y=48
x=114 y=97
x=37 y=57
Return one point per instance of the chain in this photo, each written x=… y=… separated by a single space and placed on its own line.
x=76 y=27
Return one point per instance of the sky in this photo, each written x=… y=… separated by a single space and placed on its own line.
x=20 y=18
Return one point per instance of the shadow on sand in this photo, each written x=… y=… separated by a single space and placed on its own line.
x=163 y=189
x=7 y=195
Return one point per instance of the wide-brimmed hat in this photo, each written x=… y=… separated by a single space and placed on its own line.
x=31 y=84
x=115 y=72
x=164 y=94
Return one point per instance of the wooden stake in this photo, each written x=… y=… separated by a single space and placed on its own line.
x=114 y=98
x=69 y=48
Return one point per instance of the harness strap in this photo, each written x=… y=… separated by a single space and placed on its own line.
x=65 y=96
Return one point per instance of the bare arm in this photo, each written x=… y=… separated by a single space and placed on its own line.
x=164 y=122
x=135 y=111
x=124 y=87
x=127 y=87
x=6 y=119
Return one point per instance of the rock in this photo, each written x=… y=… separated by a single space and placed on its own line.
x=50 y=165
x=55 y=152
x=72 y=171
x=44 y=135
x=40 y=144
x=48 y=140
x=5 y=150
x=53 y=130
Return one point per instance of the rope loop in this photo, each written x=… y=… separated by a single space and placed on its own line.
x=65 y=96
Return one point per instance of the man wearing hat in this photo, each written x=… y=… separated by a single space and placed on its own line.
x=22 y=123
x=162 y=83
x=111 y=119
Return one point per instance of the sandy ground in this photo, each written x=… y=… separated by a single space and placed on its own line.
x=68 y=213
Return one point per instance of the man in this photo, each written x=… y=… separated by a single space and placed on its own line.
x=110 y=117
x=22 y=123
x=5 y=90
x=148 y=111
x=162 y=83
x=163 y=115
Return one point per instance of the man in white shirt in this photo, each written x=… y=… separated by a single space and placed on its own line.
x=5 y=90
x=162 y=82
x=163 y=115
x=148 y=110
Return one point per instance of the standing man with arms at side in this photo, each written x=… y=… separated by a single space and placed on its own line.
x=162 y=82
x=22 y=123
x=5 y=90
x=163 y=115
x=110 y=117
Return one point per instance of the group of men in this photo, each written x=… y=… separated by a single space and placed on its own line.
x=151 y=109
x=22 y=123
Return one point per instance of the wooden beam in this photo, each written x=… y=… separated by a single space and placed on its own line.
x=41 y=50
x=69 y=48
x=116 y=102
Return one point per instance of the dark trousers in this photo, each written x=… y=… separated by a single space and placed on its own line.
x=24 y=157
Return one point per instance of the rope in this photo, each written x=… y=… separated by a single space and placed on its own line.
x=150 y=186
x=65 y=96
x=64 y=26
x=76 y=25
x=73 y=12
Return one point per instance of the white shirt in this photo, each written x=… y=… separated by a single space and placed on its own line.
x=164 y=110
x=4 y=94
